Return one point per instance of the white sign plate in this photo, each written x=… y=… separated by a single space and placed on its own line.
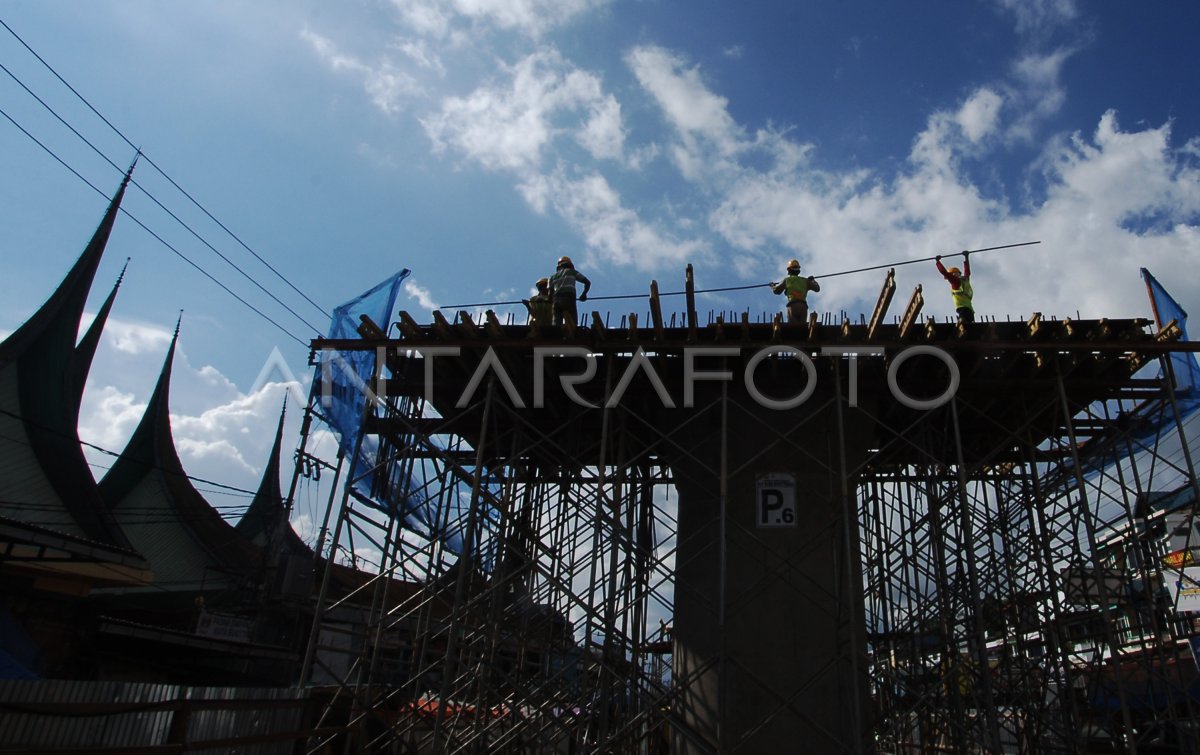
x=1184 y=588
x=775 y=500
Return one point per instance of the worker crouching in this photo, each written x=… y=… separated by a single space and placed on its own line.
x=540 y=306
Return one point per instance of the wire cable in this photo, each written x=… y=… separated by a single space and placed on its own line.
x=161 y=240
x=154 y=199
x=113 y=454
x=753 y=285
x=163 y=173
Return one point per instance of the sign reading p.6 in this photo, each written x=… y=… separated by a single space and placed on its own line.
x=775 y=500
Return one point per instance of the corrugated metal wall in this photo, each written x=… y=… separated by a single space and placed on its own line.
x=64 y=715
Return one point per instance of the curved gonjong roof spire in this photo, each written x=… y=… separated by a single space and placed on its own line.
x=45 y=480
x=85 y=352
x=266 y=519
x=189 y=545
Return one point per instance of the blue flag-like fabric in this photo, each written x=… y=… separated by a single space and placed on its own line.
x=1183 y=364
x=349 y=373
x=346 y=378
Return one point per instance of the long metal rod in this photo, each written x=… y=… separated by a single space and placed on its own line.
x=757 y=285
x=849 y=561
x=466 y=565
x=1090 y=532
x=722 y=604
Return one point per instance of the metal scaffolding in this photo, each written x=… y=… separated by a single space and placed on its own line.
x=1000 y=575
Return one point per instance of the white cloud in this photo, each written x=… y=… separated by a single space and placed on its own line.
x=387 y=85
x=135 y=339
x=422 y=53
x=613 y=233
x=978 y=115
x=1039 y=17
x=687 y=103
x=438 y=18
x=221 y=433
x=1038 y=89
x=603 y=136
x=421 y=294
x=511 y=124
x=1098 y=191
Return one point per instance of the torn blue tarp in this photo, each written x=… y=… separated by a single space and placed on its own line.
x=344 y=376
x=1184 y=367
x=1151 y=424
x=345 y=379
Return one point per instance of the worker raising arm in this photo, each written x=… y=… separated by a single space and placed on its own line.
x=960 y=287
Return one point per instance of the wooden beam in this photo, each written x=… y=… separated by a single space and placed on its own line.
x=408 y=326
x=690 y=290
x=911 y=312
x=493 y=325
x=882 y=304
x=466 y=325
x=441 y=327
x=1034 y=324
x=598 y=327
x=656 y=311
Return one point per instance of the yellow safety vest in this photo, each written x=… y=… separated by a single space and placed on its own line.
x=796 y=287
x=963 y=294
x=542 y=308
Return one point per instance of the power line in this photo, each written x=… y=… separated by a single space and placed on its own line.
x=163 y=173
x=154 y=199
x=755 y=285
x=106 y=451
x=160 y=239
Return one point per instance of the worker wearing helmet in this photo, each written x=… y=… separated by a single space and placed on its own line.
x=562 y=290
x=960 y=287
x=540 y=306
x=797 y=289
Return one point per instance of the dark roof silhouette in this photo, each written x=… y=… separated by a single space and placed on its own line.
x=266 y=519
x=45 y=480
x=189 y=545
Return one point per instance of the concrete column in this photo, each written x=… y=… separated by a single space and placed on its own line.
x=780 y=675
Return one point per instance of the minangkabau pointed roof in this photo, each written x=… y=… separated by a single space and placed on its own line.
x=266 y=519
x=85 y=352
x=45 y=481
x=189 y=545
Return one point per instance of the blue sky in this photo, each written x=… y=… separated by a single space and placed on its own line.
x=474 y=141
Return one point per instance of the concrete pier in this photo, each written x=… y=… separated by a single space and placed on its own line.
x=768 y=623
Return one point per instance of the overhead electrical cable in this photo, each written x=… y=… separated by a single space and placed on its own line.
x=107 y=452
x=161 y=240
x=154 y=199
x=754 y=285
x=162 y=172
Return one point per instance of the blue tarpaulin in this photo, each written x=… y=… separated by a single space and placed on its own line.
x=345 y=375
x=345 y=378
x=1183 y=363
x=1151 y=423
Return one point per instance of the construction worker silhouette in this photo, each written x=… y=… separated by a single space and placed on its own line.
x=562 y=290
x=960 y=287
x=797 y=289
x=540 y=306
